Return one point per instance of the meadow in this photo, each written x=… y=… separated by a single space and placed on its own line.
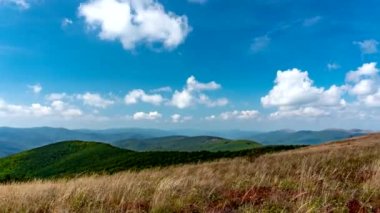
x=336 y=177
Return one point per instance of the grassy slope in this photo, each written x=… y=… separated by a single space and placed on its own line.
x=188 y=144
x=75 y=158
x=336 y=177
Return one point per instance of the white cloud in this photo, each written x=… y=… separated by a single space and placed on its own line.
x=66 y=22
x=368 y=46
x=95 y=100
x=39 y=110
x=64 y=109
x=177 y=118
x=194 y=85
x=36 y=88
x=312 y=21
x=364 y=87
x=293 y=88
x=294 y=95
x=56 y=108
x=205 y=100
x=333 y=66
x=72 y=112
x=182 y=99
x=135 y=96
x=366 y=70
x=133 y=22
x=300 y=112
x=260 y=43
x=372 y=100
x=11 y=109
x=240 y=115
x=192 y=94
x=146 y=116
x=56 y=96
x=22 y=4
x=364 y=83
x=235 y=115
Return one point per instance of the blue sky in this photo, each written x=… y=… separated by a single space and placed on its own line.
x=213 y=64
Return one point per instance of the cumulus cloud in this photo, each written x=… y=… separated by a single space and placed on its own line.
x=11 y=109
x=182 y=99
x=294 y=88
x=56 y=108
x=235 y=115
x=193 y=94
x=205 y=100
x=36 y=88
x=364 y=84
x=57 y=96
x=240 y=115
x=138 y=95
x=22 y=4
x=147 y=116
x=177 y=118
x=133 y=22
x=294 y=94
x=300 y=112
x=368 y=70
x=367 y=46
x=95 y=100
x=194 y=85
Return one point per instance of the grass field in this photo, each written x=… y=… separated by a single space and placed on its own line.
x=336 y=177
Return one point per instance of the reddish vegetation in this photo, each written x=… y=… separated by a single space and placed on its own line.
x=354 y=206
x=256 y=196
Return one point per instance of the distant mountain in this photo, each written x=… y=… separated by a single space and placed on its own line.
x=230 y=134
x=74 y=158
x=186 y=144
x=13 y=140
x=305 y=137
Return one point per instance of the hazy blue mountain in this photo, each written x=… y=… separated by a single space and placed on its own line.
x=187 y=144
x=13 y=140
x=305 y=137
x=230 y=134
x=124 y=133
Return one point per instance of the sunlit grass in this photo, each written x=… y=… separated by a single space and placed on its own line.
x=331 y=178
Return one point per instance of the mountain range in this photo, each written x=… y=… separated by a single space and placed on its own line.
x=186 y=144
x=14 y=140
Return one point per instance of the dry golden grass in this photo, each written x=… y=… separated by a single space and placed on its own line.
x=336 y=177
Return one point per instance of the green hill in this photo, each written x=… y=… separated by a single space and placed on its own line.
x=73 y=158
x=186 y=144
